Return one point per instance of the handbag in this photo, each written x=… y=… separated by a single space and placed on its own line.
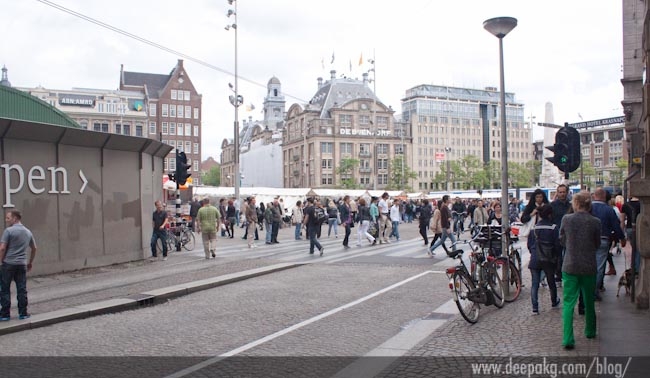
x=524 y=229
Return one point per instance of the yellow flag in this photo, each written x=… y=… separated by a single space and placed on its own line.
x=361 y=59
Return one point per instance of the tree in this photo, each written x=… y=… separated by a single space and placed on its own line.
x=588 y=174
x=396 y=179
x=617 y=175
x=345 y=169
x=212 y=177
x=535 y=167
x=523 y=175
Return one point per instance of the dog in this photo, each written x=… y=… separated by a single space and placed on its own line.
x=625 y=281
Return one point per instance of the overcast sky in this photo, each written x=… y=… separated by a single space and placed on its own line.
x=565 y=52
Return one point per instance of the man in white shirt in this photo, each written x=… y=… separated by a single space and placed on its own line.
x=385 y=225
x=395 y=217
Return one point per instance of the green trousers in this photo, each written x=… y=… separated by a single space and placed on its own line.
x=572 y=286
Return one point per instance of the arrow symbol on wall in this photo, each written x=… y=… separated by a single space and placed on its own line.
x=85 y=181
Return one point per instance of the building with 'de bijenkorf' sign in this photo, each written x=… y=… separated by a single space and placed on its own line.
x=87 y=196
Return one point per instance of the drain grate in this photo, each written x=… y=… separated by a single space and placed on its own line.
x=142 y=299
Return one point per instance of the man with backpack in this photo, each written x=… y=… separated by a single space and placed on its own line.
x=312 y=223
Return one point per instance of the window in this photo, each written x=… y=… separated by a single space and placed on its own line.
x=196 y=113
x=364 y=149
x=126 y=129
x=174 y=94
x=382 y=164
x=188 y=129
x=103 y=127
x=326 y=163
x=165 y=165
x=364 y=120
x=188 y=146
x=186 y=95
x=364 y=180
x=152 y=109
x=382 y=179
x=180 y=129
x=165 y=110
x=382 y=149
x=172 y=110
x=172 y=162
x=180 y=111
x=598 y=149
x=196 y=149
x=382 y=121
x=172 y=128
x=196 y=131
x=165 y=131
x=179 y=145
x=188 y=111
x=326 y=147
x=399 y=149
x=152 y=127
x=326 y=179
x=118 y=128
x=345 y=120
x=196 y=165
x=346 y=148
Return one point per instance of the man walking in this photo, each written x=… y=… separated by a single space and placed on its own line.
x=15 y=265
x=312 y=223
x=395 y=218
x=159 y=222
x=610 y=225
x=385 y=224
x=560 y=206
x=194 y=209
x=251 y=219
x=425 y=218
x=276 y=220
x=445 y=220
x=208 y=220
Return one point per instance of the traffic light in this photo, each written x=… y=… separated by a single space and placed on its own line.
x=567 y=150
x=182 y=168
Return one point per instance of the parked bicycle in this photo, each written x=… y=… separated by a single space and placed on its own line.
x=493 y=237
x=179 y=234
x=476 y=286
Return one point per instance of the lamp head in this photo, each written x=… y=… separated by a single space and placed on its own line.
x=230 y=12
x=500 y=26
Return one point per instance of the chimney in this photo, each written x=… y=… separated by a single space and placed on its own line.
x=320 y=82
x=365 y=79
x=333 y=74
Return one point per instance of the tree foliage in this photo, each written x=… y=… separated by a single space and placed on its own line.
x=212 y=177
x=400 y=175
x=345 y=169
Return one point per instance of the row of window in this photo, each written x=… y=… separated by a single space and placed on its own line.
x=180 y=95
x=176 y=111
x=364 y=148
x=328 y=179
x=173 y=128
x=118 y=128
x=183 y=145
x=347 y=120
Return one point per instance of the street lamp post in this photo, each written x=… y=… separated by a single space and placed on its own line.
x=374 y=122
x=500 y=27
x=236 y=101
x=448 y=159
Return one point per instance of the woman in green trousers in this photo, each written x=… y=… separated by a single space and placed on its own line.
x=580 y=236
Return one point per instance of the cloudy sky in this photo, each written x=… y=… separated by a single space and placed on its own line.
x=565 y=52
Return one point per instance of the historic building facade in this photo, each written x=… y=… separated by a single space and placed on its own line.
x=174 y=109
x=451 y=123
x=603 y=147
x=344 y=120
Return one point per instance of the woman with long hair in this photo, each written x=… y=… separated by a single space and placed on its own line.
x=531 y=213
x=364 y=221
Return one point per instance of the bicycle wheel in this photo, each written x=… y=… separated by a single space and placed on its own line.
x=494 y=283
x=463 y=284
x=513 y=281
x=187 y=240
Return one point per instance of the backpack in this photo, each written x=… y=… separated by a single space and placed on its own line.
x=321 y=215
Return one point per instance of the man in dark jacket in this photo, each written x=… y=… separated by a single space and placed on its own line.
x=194 y=209
x=560 y=206
x=445 y=221
x=425 y=218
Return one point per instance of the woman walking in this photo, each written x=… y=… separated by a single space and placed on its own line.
x=364 y=221
x=580 y=236
x=296 y=219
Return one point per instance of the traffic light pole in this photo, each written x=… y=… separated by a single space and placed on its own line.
x=178 y=198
